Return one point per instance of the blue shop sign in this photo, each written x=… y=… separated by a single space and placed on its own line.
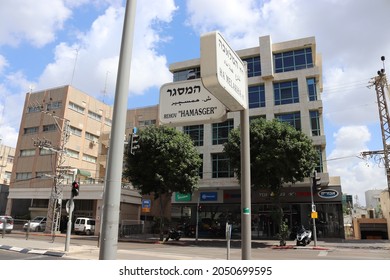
x=208 y=196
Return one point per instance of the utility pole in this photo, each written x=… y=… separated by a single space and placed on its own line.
x=380 y=84
x=56 y=195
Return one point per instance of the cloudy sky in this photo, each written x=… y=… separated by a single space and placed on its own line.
x=50 y=43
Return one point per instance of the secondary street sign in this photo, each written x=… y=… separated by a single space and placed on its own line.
x=222 y=71
x=189 y=102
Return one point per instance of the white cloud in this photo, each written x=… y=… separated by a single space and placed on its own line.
x=97 y=53
x=35 y=22
x=357 y=174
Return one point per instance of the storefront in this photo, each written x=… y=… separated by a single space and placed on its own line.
x=213 y=209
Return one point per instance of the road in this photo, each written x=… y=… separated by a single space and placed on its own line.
x=212 y=250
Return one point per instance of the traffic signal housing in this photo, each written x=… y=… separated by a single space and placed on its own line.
x=75 y=189
x=316 y=184
x=134 y=145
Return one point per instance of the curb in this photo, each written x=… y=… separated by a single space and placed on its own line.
x=32 y=251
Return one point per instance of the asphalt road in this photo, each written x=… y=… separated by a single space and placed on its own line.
x=206 y=251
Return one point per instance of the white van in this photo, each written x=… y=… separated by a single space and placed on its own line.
x=84 y=226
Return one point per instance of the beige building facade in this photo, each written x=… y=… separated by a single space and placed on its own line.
x=284 y=82
x=61 y=137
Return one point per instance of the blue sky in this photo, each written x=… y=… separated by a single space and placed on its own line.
x=43 y=42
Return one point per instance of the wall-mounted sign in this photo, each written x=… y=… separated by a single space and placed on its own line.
x=222 y=71
x=208 y=196
x=183 y=197
x=328 y=193
x=189 y=102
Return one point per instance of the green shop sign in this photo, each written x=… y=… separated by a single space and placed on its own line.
x=183 y=197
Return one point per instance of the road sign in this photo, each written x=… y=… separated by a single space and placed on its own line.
x=146 y=204
x=189 y=102
x=223 y=72
x=69 y=206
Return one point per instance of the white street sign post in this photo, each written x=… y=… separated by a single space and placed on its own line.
x=225 y=75
x=189 y=102
x=223 y=72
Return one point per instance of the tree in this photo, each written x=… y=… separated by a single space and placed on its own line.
x=165 y=162
x=279 y=154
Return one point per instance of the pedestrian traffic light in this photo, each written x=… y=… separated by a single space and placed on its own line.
x=75 y=189
x=316 y=182
x=134 y=143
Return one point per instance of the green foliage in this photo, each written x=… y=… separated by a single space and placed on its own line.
x=166 y=162
x=279 y=154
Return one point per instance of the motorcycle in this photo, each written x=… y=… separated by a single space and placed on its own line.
x=174 y=234
x=303 y=236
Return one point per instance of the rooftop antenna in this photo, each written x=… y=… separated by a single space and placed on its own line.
x=74 y=66
x=105 y=86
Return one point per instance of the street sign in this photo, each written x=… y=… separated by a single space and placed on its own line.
x=146 y=204
x=223 y=72
x=189 y=102
x=69 y=206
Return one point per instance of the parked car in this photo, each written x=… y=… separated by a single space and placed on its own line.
x=36 y=224
x=84 y=226
x=8 y=221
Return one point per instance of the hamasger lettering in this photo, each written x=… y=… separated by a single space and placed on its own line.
x=197 y=112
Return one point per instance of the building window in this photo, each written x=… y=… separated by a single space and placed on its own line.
x=33 y=109
x=31 y=130
x=254 y=66
x=91 y=137
x=319 y=167
x=196 y=133
x=53 y=105
x=256 y=96
x=23 y=176
x=294 y=119
x=94 y=116
x=315 y=123
x=221 y=131
x=312 y=89
x=188 y=74
x=75 y=131
x=108 y=122
x=27 y=153
x=221 y=166
x=43 y=152
x=146 y=123
x=10 y=159
x=293 y=60
x=75 y=107
x=286 y=92
x=200 y=171
x=89 y=158
x=49 y=127
x=72 y=153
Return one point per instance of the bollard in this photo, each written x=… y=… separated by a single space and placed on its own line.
x=4 y=220
x=28 y=229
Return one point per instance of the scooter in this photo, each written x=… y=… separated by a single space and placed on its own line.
x=303 y=236
x=174 y=234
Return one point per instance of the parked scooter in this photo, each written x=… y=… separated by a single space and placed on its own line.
x=174 y=234
x=303 y=236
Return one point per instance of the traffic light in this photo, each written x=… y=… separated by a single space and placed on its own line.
x=75 y=189
x=316 y=182
x=134 y=143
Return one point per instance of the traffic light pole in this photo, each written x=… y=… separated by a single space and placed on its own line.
x=69 y=225
x=313 y=207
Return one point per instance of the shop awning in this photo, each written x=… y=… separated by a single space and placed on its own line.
x=84 y=173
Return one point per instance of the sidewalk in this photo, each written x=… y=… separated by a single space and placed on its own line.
x=34 y=245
